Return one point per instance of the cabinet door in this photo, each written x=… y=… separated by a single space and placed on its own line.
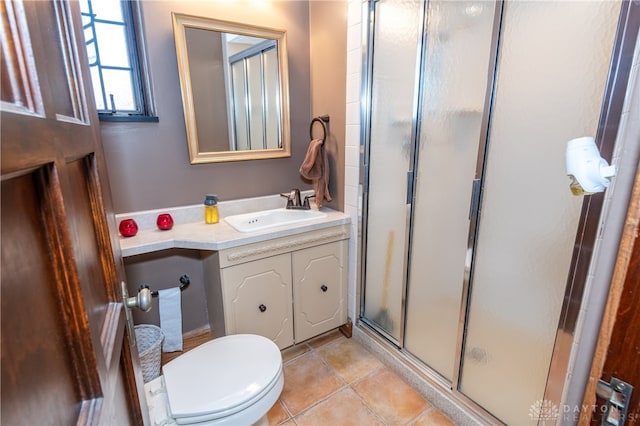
x=257 y=299
x=319 y=290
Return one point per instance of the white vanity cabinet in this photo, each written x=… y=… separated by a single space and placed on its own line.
x=257 y=298
x=319 y=289
x=288 y=289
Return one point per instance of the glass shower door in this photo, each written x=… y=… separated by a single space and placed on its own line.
x=395 y=49
x=483 y=292
x=459 y=57
x=552 y=68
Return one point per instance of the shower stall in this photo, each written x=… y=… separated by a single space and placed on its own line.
x=468 y=221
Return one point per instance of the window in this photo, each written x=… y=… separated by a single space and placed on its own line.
x=120 y=85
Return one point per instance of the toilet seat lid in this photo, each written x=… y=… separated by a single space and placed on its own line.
x=221 y=376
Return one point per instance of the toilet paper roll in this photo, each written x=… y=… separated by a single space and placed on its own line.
x=171 y=319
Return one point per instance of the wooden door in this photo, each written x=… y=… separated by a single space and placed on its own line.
x=618 y=348
x=66 y=356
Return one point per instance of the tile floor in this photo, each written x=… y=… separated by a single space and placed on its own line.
x=332 y=380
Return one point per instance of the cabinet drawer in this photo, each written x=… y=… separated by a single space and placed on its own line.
x=319 y=289
x=257 y=299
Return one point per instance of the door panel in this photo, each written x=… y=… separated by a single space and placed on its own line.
x=35 y=350
x=65 y=356
x=528 y=219
x=258 y=297
x=458 y=60
x=86 y=250
x=395 y=60
x=319 y=289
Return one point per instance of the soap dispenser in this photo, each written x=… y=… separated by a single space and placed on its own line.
x=211 y=209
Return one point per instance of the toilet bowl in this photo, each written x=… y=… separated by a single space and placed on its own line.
x=231 y=380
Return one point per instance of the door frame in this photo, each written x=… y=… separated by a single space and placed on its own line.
x=625 y=255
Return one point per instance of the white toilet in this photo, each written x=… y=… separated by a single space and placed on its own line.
x=231 y=380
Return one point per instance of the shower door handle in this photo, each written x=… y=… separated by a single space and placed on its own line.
x=475 y=200
x=409 y=186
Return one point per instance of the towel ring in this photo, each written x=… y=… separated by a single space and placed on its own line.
x=323 y=119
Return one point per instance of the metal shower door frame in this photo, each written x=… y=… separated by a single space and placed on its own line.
x=592 y=206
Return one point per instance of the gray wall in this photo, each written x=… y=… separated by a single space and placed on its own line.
x=328 y=25
x=161 y=270
x=206 y=68
x=148 y=163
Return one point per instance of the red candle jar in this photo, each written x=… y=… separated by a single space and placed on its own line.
x=128 y=228
x=164 y=222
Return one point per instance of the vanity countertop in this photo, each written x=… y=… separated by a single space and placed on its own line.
x=219 y=236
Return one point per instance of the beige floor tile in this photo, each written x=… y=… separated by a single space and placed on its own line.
x=376 y=393
x=293 y=352
x=323 y=339
x=349 y=359
x=390 y=397
x=433 y=417
x=277 y=414
x=307 y=380
x=343 y=408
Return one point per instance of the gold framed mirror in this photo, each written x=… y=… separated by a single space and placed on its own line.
x=235 y=89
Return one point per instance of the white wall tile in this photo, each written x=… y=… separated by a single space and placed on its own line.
x=352 y=135
x=353 y=37
x=351 y=175
x=353 y=113
x=354 y=61
x=353 y=87
x=354 y=14
x=352 y=156
x=352 y=146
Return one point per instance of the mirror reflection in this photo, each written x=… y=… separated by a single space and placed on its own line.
x=234 y=89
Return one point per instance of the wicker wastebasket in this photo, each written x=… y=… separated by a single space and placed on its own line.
x=149 y=338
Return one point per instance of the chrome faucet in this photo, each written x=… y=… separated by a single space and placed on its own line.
x=294 y=201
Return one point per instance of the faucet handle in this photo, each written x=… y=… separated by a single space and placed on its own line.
x=306 y=200
x=295 y=197
x=289 y=198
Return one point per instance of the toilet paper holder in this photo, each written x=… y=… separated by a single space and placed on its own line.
x=184 y=283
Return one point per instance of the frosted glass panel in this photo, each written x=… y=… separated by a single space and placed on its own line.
x=397 y=34
x=256 y=112
x=271 y=95
x=240 y=106
x=455 y=79
x=552 y=69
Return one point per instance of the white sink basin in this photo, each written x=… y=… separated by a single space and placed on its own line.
x=258 y=221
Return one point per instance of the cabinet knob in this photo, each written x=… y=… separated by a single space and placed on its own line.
x=262 y=308
x=324 y=287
